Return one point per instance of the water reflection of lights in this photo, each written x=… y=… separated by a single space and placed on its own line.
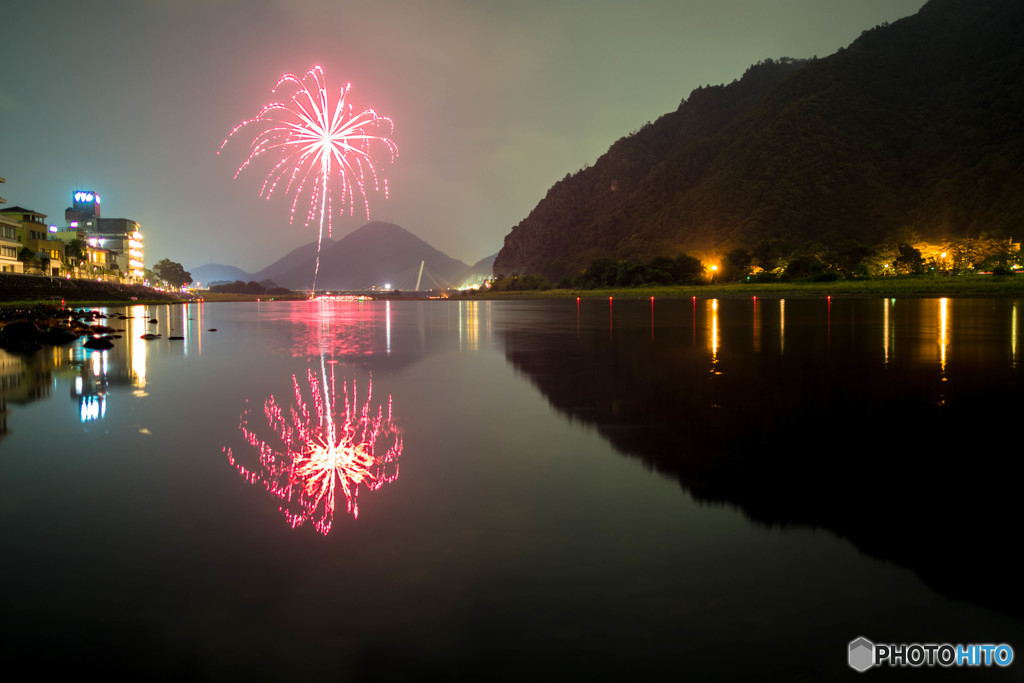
x=469 y=325
x=138 y=326
x=315 y=450
x=782 y=326
x=713 y=340
x=1013 y=334
x=90 y=387
x=346 y=328
x=757 y=327
x=943 y=332
x=888 y=333
x=93 y=408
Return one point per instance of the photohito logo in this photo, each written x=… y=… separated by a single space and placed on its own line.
x=863 y=654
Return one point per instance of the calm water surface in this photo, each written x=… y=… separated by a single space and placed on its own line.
x=594 y=490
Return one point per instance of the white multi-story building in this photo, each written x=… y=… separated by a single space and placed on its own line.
x=120 y=239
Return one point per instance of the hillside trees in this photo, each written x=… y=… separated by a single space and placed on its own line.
x=172 y=272
x=917 y=124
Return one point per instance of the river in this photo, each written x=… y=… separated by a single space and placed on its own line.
x=474 y=490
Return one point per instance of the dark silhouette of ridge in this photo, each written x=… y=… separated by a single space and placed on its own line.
x=376 y=254
x=917 y=126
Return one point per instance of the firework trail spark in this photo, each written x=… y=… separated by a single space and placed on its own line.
x=322 y=151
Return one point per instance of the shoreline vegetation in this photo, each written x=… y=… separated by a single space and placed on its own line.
x=895 y=286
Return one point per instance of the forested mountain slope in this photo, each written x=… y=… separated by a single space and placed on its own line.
x=916 y=126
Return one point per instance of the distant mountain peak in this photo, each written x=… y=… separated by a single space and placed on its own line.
x=375 y=254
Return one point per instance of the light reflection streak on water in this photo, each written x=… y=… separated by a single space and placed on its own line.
x=200 y=310
x=782 y=326
x=713 y=338
x=943 y=332
x=137 y=327
x=93 y=407
x=1013 y=335
x=470 y=328
x=886 y=339
x=387 y=324
x=757 y=327
x=186 y=327
x=828 y=323
x=694 y=319
x=652 y=318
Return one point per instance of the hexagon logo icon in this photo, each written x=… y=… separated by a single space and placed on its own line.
x=862 y=654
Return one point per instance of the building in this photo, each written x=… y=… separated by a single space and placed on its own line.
x=33 y=233
x=114 y=244
x=123 y=239
x=9 y=246
x=85 y=204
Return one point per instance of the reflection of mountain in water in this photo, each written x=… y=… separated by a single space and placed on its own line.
x=882 y=426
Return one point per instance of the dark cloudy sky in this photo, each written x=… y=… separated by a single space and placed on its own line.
x=493 y=101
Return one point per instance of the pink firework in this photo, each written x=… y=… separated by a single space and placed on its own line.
x=322 y=150
x=317 y=453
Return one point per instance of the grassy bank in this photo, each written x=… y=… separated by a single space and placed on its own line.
x=960 y=286
x=17 y=289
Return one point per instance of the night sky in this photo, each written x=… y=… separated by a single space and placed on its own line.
x=492 y=101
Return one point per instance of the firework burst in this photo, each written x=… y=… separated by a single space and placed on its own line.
x=323 y=152
x=318 y=452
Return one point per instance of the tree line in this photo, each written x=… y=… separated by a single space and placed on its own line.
x=777 y=260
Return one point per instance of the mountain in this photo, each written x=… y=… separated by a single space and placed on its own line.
x=216 y=272
x=295 y=258
x=376 y=254
x=916 y=126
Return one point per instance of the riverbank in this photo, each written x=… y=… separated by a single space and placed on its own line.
x=929 y=286
x=18 y=289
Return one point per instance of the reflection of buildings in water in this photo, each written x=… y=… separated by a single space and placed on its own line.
x=29 y=378
x=90 y=387
x=137 y=326
x=10 y=377
x=24 y=379
x=10 y=373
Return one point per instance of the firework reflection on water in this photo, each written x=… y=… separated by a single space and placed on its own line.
x=318 y=452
